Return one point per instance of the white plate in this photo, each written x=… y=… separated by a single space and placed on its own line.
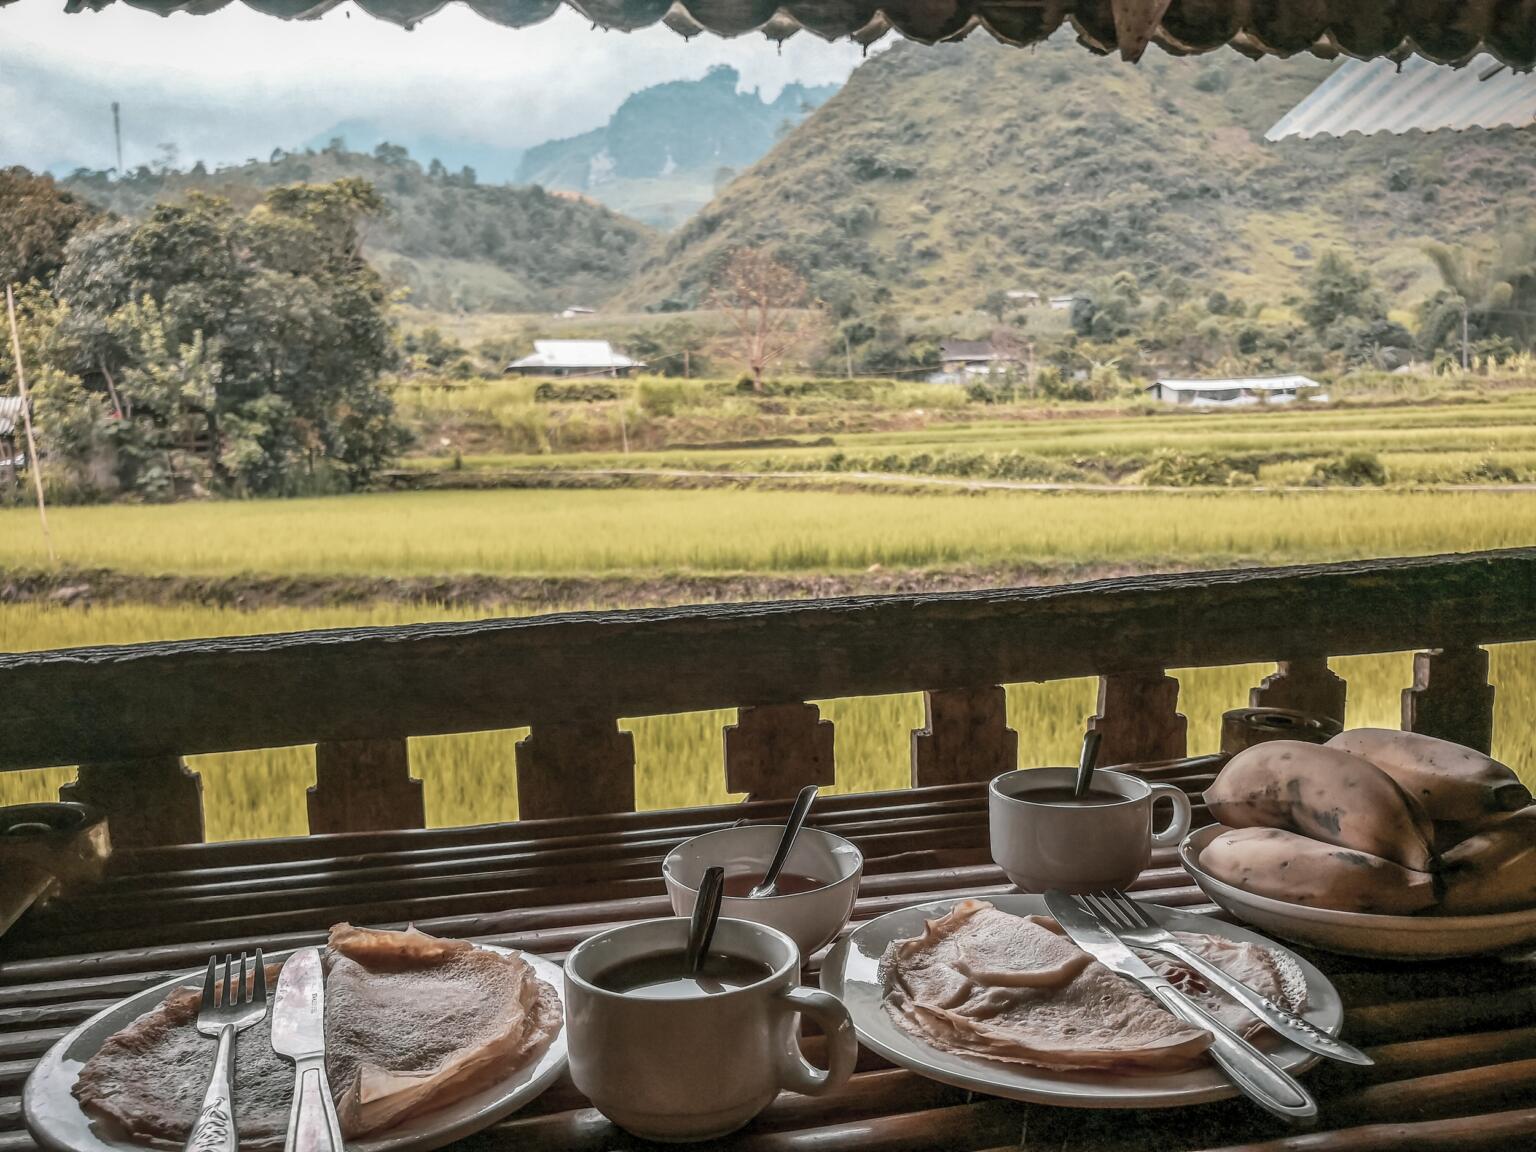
x=1421 y=937
x=851 y=972
x=57 y=1122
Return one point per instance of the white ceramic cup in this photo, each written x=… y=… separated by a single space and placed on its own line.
x=1078 y=848
x=702 y=1066
x=811 y=919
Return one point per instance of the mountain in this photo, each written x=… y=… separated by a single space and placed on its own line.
x=492 y=163
x=941 y=174
x=449 y=242
x=669 y=147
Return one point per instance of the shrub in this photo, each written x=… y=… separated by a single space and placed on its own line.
x=1185 y=470
x=1353 y=469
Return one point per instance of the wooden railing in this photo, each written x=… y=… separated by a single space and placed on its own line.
x=126 y=715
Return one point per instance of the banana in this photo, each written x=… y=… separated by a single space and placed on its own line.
x=1286 y=866
x=1452 y=782
x=1327 y=794
x=1493 y=870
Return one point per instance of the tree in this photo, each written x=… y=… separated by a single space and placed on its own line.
x=996 y=304
x=760 y=295
x=37 y=221
x=1493 y=292
x=1338 y=289
x=240 y=351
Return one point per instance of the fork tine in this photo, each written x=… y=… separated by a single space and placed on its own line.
x=229 y=987
x=210 y=982
x=1133 y=910
x=242 y=998
x=1107 y=910
x=260 y=979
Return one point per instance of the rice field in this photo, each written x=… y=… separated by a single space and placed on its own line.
x=471 y=779
x=556 y=533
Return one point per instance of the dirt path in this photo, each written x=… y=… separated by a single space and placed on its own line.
x=86 y=587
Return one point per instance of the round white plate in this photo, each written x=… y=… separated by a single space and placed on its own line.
x=57 y=1122
x=851 y=973
x=1421 y=937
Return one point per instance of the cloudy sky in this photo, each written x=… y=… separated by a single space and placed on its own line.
x=236 y=84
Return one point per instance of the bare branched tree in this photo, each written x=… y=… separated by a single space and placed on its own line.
x=761 y=296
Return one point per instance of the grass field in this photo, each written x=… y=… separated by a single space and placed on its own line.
x=517 y=532
x=471 y=779
x=649 y=535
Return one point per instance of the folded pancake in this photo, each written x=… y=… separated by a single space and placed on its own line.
x=412 y=1023
x=982 y=982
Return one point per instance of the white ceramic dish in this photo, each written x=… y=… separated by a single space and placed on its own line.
x=57 y=1122
x=1421 y=937
x=851 y=972
x=811 y=919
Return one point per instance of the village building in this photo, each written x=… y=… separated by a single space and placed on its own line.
x=575 y=311
x=10 y=433
x=1063 y=303
x=1237 y=392
x=1024 y=298
x=573 y=358
x=960 y=360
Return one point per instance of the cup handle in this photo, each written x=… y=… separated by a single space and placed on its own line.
x=798 y=1074
x=1182 y=815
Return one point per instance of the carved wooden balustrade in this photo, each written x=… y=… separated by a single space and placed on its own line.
x=126 y=715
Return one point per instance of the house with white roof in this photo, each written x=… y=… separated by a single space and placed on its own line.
x=1237 y=392
x=574 y=358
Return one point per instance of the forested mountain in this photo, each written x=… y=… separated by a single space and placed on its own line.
x=669 y=148
x=448 y=240
x=940 y=175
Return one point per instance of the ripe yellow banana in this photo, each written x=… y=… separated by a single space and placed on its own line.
x=1451 y=782
x=1493 y=870
x=1286 y=866
x=1327 y=794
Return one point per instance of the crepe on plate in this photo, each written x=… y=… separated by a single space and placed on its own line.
x=983 y=982
x=412 y=1023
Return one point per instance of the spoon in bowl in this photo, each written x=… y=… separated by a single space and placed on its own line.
x=706 y=913
x=1086 y=762
x=769 y=884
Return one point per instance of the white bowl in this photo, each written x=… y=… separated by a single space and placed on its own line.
x=1420 y=937
x=811 y=919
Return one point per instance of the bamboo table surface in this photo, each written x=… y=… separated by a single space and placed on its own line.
x=1454 y=1043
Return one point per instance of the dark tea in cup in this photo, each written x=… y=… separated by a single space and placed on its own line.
x=665 y=977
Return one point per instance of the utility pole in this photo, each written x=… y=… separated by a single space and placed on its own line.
x=34 y=465
x=1464 y=359
x=117 y=135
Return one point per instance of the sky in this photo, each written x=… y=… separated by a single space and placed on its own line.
x=236 y=84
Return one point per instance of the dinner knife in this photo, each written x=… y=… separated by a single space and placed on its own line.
x=298 y=1032
x=1255 y=1075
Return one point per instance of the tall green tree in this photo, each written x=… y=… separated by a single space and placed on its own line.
x=1494 y=290
x=37 y=218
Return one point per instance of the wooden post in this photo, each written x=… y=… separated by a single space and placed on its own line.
x=575 y=767
x=364 y=786
x=34 y=462
x=965 y=737
x=1451 y=697
x=773 y=751
x=148 y=802
x=1306 y=684
x=1139 y=718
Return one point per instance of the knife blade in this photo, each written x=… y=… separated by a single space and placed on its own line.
x=298 y=1032
x=1254 y=1074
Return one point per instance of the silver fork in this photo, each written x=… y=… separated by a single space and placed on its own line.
x=223 y=1016
x=1131 y=923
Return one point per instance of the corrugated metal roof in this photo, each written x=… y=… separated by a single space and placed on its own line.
x=1379 y=96
x=1445 y=30
x=574 y=354
x=10 y=412
x=1251 y=383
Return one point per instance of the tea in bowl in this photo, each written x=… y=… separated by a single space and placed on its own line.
x=671 y=1055
x=1044 y=837
x=817 y=886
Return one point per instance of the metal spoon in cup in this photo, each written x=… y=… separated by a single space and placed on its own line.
x=706 y=913
x=1086 y=762
x=769 y=884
